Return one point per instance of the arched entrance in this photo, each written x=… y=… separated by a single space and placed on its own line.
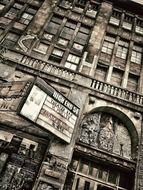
x=104 y=155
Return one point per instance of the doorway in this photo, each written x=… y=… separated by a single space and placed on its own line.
x=20 y=159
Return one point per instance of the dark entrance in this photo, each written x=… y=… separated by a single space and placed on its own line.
x=101 y=187
x=20 y=159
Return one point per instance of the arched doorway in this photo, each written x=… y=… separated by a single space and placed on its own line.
x=107 y=140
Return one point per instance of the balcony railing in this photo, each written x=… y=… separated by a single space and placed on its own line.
x=48 y=68
x=64 y=73
x=117 y=92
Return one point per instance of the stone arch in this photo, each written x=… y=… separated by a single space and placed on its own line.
x=125 y=120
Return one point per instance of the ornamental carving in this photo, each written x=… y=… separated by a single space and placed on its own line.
x=106 y=132
x=90 y=129
x=25 y=41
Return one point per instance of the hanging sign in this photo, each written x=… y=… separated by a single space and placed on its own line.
x=48 y=108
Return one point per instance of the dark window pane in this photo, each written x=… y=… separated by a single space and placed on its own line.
x=87 y=185
x=125 y=180
x=112 y=177
x=102 y=174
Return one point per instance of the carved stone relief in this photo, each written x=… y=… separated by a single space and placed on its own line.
x=25 y=41
x=90 y=129
x=107 y=132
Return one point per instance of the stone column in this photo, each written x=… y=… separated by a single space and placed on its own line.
x=139 y=168
x=98 y=33
x=41 y=16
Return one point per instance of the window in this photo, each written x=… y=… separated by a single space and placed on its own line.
x=10 y=40
x=122 y=49
x=127 y=23
x=68 y=30
x=41 y=48
x=72 y=62
x=11 y=14
x=92 y=10
x=78 y=47
x=132 y=82
x=108 y=45
x=47 y=36
x=66 y=3
x=100 y=72
x=115 y=18
x=3 y=3
x=136 y=56
x=54 y=24
x=80 y=2
x=56 y=55
x=82 y=35
x=1 y=6
x=62 y=42
x=139 y=27
x=117 y=76
x=105 y=178
x=25 y=19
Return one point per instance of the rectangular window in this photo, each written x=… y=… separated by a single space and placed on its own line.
x=66 y=3
x=122 y=49
x=41 y=48
x=139 y=27
x=103 y=174
x=1 y=6
x=81 y=2
x=68 y=30
x=136 y=56
x=62 y=42
x=127 y=22
x=108 y=45
x=10 y=40
x=115 y=18
x=78 y=47
x=117 y=76
x=100 y=73
x=47 y=36
x=72 y=62
x=132 y=82
x=54 y=24
x=87 y=185
x=3 y=3
x=92 y=10
x=11 y=14
x=25 y=19
x=56 y=55
x=82 y=35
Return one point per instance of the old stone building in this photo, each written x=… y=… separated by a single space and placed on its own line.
x=71 y=95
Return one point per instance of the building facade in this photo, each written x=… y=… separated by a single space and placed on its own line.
x=71 y=95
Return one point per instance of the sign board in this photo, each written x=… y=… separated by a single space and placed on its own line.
x=48 y=108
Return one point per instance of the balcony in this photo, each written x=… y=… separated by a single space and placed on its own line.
x=117 y=92
x=40 y=67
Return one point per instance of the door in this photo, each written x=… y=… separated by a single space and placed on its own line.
x=20 y=159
